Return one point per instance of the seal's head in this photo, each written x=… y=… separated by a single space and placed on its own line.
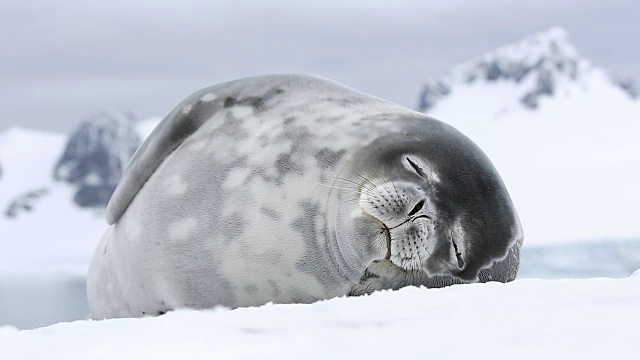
x=439 y=202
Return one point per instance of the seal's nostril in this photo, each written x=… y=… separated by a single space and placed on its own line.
x=416 y=208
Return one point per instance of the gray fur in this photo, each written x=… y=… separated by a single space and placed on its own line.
x=290 y=188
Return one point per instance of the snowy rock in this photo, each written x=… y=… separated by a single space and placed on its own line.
x=25 y=202
x=96 y=155
x=628 y=85
x=433 y=91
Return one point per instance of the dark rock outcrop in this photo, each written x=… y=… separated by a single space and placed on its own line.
x=25 y=202
x=628 y=86
x=96 y=155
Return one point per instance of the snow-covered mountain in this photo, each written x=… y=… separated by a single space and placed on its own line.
x=537 y=67
x=53 y=189
x=563 y=133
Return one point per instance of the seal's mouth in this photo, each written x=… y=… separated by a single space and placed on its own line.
x=386 y=231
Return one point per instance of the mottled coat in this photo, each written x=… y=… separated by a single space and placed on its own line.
x=267 y=189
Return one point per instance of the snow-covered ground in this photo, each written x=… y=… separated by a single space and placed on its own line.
x=525 y=319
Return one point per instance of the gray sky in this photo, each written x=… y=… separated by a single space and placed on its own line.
x=64 y=60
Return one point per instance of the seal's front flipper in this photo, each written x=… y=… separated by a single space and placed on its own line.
x=380 y=275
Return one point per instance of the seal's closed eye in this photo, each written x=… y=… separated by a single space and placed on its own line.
x=458 y=255
x=417 y=168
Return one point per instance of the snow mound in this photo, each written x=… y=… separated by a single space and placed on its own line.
x=525 y=319
x=7 y=330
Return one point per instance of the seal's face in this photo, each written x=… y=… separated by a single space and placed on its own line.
x=442 y=206
x=409 y=219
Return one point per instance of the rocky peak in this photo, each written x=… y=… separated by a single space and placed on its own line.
x=540 y=60
x=548 y=51
x=95 y=156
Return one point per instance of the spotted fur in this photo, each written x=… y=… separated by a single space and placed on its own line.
x=291 y=189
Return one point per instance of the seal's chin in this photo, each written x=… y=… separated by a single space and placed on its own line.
x=435 y=266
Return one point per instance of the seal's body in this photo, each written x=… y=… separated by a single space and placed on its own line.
x=291 y=188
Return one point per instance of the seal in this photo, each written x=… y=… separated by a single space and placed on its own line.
x=293 y=189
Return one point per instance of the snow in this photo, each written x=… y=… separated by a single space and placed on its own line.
x=27 y=244
x=27 y=158
x=525 y=319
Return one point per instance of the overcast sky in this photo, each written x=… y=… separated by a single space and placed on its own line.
x=61 y=61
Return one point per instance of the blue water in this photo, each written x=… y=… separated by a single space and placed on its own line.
x=613 y=259
x=31 y=301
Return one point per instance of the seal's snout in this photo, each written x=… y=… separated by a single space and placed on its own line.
x=407 y=216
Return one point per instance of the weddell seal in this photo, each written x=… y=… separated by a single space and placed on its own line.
x=292 y=189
